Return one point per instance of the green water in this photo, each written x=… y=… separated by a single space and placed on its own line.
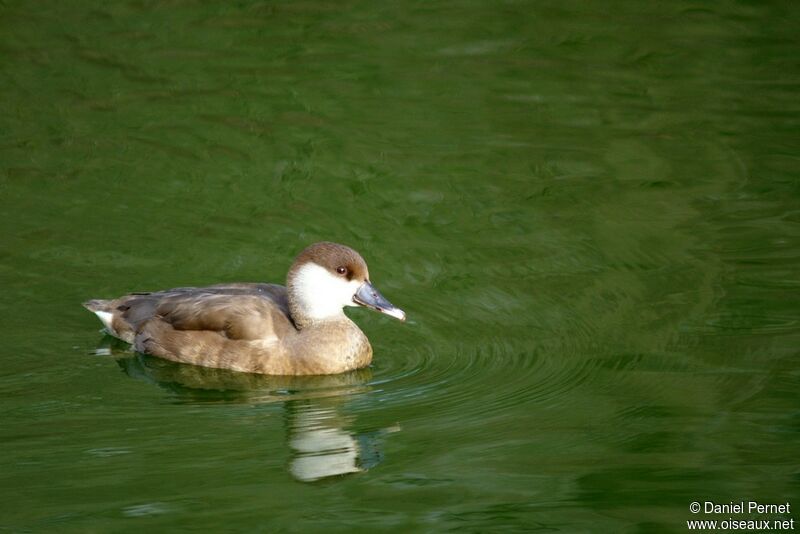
x=589 y=212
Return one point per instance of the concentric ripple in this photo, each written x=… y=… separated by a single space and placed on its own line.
x=448 y=382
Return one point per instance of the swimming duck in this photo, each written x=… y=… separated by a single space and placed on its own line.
x=300 y=329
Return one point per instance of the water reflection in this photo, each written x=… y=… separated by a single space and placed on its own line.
x=319 y=433
x=321 y=445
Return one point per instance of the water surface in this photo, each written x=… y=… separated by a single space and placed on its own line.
x=589 y=213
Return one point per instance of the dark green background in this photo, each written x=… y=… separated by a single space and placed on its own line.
x=589 y=211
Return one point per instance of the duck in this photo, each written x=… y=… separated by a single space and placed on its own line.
x=297 y=329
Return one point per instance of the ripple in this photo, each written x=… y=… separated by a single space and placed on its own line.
x=146 y=509
x=448 y=381
x=107 y=452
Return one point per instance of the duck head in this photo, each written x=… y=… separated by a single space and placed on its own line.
x=326 y=277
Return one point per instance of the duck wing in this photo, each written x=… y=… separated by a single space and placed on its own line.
x=235 y=311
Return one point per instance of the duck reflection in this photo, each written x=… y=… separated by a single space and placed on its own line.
x=317 y=432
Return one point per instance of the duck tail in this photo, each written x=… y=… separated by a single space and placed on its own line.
x=103 y=310
x=97 y=305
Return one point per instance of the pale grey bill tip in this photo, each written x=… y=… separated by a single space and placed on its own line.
x=397 y=313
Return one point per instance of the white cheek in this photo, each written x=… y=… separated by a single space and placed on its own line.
x=322 y=293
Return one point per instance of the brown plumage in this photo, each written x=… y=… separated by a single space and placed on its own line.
x=258 y=328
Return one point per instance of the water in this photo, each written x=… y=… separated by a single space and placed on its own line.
x=589 y=213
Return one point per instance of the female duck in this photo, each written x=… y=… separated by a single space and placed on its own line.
x=300 y=329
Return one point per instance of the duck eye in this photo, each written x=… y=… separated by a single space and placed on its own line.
x=341 y=270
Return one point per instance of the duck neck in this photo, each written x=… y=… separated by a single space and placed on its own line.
x=307 y=314
x=305 y=322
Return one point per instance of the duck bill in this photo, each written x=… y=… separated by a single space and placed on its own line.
x=370 y=297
